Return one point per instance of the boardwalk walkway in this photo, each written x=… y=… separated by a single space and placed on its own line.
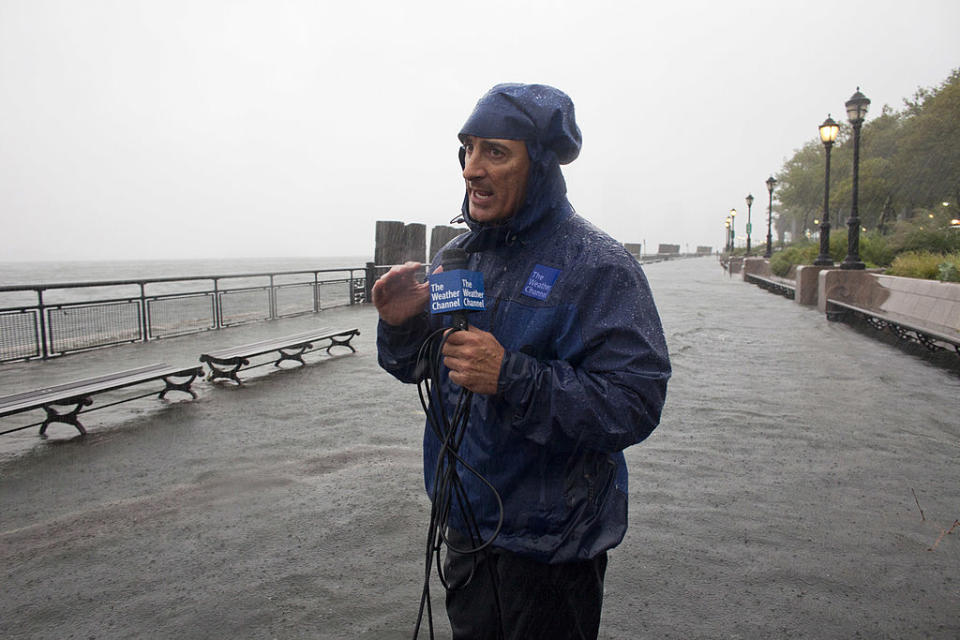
x=778 y=499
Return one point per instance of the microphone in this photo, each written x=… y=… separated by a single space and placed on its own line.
x=456 y=290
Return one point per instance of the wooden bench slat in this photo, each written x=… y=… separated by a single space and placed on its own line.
x=80 y=388
x=233 y=359
x=272 y=344
x=78 y=383
x=77 y=386
x=266 y=346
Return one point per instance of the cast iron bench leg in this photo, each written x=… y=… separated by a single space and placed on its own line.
x=335 y=342
x=928 y=342
x=216 y=372
x=179 y=386
x=68 y=417
x=297 y=355
x=907 y=334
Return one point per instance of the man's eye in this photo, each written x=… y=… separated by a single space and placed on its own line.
x=496 y=153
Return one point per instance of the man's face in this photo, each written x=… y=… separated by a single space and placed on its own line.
x=495 y=172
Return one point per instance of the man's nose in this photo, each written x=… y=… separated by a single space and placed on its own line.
x=473 y=168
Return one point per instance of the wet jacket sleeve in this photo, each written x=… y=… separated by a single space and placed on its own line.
x=398 y=346
x=606 y=388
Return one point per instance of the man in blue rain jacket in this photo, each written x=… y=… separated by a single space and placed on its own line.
x=568 y=366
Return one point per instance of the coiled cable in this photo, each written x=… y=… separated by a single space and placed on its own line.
x=447 y=483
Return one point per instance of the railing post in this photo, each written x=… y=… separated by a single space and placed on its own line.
x=316 y=292
x=44 y=347
x=371 y=276
x=272 y=299
x=217 y=308
x=144 y=316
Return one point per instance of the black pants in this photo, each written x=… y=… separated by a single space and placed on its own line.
x=537 y=600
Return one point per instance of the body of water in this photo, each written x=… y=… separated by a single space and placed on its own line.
x=21 y=273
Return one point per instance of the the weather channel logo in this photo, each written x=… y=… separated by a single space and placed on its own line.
x=455 y=291
x=540 y=282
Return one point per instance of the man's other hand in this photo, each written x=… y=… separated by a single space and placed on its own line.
x=398 y=296
x=474 y=358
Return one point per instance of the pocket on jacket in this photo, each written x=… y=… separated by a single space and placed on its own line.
x=589 y=478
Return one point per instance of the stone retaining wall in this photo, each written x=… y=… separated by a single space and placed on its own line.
x=922 y=303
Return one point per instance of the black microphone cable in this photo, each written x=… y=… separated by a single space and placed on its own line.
x=447 y=484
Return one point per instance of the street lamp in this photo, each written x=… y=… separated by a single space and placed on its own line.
x=770 y=182
x=856 y=112
x=733 y=234
x=726 y=233
x=828 y=135
x=749 y=224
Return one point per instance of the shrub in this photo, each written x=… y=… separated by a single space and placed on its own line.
x=838 y=245
x=875 y=250
x=919 y=235
x=804 y=253
x=927 y=265
x=950 y=270
x=920 y=248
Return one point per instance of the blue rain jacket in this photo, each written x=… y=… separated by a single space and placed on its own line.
x=586 y=366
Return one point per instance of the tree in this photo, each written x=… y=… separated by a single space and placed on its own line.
x=800 y=189
x=878 y=175
x=908 y=160
x=928 y=158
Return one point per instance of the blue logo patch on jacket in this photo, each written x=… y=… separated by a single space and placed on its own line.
x=540 y=282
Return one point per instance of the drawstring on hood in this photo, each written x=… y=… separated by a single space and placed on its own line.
x=543 y=118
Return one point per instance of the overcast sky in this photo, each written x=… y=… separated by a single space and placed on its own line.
x=215 y=128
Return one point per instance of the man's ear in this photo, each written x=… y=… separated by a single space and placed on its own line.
x=463 y=158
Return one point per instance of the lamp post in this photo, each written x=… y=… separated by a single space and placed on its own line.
x=856 y=112
x=770 y=182
x=828 y=135
x=733 y=234
x=749 y=223
x=726 y=235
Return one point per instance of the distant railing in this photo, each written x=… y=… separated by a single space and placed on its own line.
x=67 y=317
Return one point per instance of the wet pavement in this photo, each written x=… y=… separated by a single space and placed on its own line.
x=796 y=488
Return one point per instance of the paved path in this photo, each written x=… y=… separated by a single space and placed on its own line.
x=775 y=500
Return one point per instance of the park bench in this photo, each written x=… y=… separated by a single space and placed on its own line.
x=227 y=363
x=775 y=285
x=79 y=394
x=903 y=327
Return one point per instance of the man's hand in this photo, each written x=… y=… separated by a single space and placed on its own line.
x=474 y=358
x=398 y=296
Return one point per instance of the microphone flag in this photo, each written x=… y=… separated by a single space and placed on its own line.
x=456 y=289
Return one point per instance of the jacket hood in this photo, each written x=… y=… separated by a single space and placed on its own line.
x=542 y=117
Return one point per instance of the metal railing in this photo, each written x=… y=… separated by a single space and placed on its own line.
x=77 y=316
